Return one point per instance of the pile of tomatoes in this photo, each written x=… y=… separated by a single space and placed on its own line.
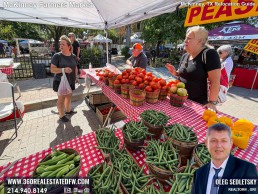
x=140 y=79
x=106 y=110
x=104 y=73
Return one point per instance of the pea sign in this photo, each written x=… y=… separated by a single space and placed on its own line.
x=252 y=46
x=219 y=10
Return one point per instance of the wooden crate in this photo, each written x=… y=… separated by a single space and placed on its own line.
x=117 y=115
x=92 y=106
x=98 y=98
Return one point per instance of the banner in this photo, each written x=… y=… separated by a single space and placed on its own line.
x=212 y=11
x=252 y=46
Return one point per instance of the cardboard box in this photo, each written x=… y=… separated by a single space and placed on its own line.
x=116 y=116
x=92 y=106
x=98 y=98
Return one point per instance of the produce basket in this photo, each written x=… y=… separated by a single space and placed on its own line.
x=125 y=90
x=176 y=100
x=117 y=88
x=137 y=97
x=161 y=174
x=197 y=159
x=152 y=97
x=107 y=142
x=134 y=134
x=163 y=94
x=49 y=169
x=185 y=149
x=111 y=82
x=157 y=131
x=134 y=145
x=106 y=81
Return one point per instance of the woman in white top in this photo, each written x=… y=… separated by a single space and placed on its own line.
x=225 y=53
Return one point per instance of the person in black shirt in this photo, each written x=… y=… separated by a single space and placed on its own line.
x=76 y=48
x=195 y=72
x=1 y=50
x=67 y=61
x=138 y=58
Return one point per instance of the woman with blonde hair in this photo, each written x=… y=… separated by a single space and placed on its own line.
x=199 y=65
x=67 y=61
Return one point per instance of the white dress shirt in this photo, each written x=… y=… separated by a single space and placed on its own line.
x=212 y=173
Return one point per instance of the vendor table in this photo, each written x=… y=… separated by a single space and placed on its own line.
x=190 y=114
x=85 y=145
x=245 y=78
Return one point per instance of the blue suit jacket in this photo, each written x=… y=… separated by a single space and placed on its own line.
x=235 y=169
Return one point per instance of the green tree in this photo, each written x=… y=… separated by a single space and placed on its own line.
x=166 y=27
x=27 y=30
x=10 y=30
x=6 y=31
x=54 y=32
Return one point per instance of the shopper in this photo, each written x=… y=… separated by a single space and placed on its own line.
x=199 y=65
x=67 y=61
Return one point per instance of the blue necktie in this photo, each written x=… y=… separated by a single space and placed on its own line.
x=214 y=188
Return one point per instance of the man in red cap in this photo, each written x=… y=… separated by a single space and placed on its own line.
x=138 y=58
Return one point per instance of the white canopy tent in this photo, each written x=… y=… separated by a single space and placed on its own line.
x=31 y=41
x=101 y=39
x=135 y=38
x=90 y=14
x=3 y=41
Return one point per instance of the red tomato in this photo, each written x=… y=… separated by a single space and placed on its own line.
x=165 y=88
x=141 y=75
x=132 y=77
x=119 y=77
x=139 y=80
x=155 y=79
x=141 y=86
x=138 y=69
x=148 y=89
x=149 y=73
x=146 y=82
x=116 y=81
x=134 y=83
x=162 y=82
x=149 y=78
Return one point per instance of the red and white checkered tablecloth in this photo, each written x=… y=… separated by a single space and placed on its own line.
x=190 y=115
x=7 y=70
x=85 y=145
x=91 y=74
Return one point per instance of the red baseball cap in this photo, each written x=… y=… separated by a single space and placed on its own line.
x=137 y=46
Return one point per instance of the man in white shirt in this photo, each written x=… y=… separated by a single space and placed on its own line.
x=223 y=164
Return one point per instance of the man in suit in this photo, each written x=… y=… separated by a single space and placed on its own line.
x=223 y=164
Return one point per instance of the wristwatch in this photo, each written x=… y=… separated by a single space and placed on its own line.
x=213 y=102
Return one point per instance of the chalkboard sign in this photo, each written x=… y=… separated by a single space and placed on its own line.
x=39 y=70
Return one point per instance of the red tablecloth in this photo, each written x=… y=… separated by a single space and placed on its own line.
x=85 y=144
x=7 y=70
x=245 y=77
x=190 y=115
